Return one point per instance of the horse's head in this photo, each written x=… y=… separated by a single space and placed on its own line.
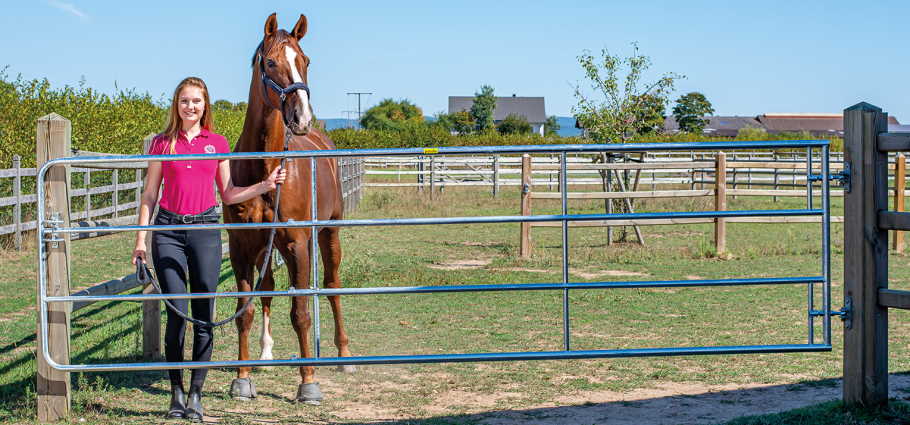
x=282 y=68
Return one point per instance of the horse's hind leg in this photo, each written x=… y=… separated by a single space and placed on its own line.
x=265 y=337
x=330 y=247
x=299 y=272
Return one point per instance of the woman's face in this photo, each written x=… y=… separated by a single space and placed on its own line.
x=190 y=105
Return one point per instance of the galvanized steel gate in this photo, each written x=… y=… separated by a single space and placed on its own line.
x=49 y=232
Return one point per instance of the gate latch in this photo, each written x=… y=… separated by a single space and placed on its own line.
x=843 y=177
x=51 y=236
x=846 y=313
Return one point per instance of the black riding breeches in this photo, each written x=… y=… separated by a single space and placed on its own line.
x=181 y=255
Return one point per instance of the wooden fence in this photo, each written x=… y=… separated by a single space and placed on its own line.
x=867 y=296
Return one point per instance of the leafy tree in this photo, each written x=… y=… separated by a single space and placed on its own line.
x=551 y=127
x=514 y=124
x=222 y=105
x=482 y=109
x=458 y=122
x=622 y=100
x=690 y=111
x=390 y=114
x=649 y=118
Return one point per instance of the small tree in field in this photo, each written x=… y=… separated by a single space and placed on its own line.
x=690 y=112
x=620 y=104
x=482 y=109
x=514 y=124
x=391 y=115
x=551 y=127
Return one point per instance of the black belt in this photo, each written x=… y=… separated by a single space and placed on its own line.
x=207 y=216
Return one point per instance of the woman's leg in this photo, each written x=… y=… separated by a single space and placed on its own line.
x=169 y=257
x=204 y=270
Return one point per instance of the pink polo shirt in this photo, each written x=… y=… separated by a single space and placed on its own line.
x=189 y=185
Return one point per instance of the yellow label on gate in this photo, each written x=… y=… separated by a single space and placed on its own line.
x=431 y=151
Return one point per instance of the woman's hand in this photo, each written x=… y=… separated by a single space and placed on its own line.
x=139 y=253
x=278 y=176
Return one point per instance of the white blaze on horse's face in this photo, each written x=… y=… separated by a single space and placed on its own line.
x=304 y=114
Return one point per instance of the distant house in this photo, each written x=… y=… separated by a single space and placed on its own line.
x=531 y=108
x=818 y=125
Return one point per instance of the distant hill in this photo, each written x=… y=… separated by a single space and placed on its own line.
x=566 y=125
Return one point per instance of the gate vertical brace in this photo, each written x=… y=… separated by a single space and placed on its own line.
x=54 y=135
x=865 y=258
x=564 y=194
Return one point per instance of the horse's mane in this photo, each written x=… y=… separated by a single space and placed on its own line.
x=280 y=37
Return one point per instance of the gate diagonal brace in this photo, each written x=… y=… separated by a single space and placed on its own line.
x=842 y=177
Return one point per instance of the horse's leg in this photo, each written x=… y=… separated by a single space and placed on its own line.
x=299 y=273
x=330 y=247
x=265 y=337
x=242 y=387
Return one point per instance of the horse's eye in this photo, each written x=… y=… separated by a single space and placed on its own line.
x=270 y=63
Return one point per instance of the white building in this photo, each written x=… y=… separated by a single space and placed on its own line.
x=531 y=108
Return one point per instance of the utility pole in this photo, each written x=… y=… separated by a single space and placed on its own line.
x=359 y=94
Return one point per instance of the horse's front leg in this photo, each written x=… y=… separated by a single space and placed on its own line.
x=299 y=272
x=242 y=387
x=330 y=247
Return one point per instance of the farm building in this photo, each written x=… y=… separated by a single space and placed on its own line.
x=531 y=108
x=813 y=123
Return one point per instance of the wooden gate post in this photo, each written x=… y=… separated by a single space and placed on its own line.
x=524 y=250
x=53 y=141
x=720 y=203
x=151 y=309
x=865 y=258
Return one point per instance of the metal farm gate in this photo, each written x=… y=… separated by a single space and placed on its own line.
x=51 y=231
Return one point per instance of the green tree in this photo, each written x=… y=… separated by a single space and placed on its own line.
x=223 y=105
x=649 y=118
x=690 y=112
x=482 y=109
x=514 y=124
x=458 y=122
x=551 y=127
x=390 y=114
x=620 y=101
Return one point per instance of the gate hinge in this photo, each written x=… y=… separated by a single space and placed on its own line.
x=51 y=236
x=843 y=177
x=846 y=313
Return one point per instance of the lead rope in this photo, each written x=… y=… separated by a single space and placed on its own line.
x=143 y=276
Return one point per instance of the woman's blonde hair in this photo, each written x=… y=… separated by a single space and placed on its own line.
x=173 y=119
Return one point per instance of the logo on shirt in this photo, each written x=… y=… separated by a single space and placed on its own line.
x=209 y=149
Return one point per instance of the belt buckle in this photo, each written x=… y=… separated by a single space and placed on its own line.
x=187 y=219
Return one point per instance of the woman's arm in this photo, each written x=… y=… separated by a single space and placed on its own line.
x=231 y=194
x=146 y=205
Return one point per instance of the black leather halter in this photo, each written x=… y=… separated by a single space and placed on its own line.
x=268 y=83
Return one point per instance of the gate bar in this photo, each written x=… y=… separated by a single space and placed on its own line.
x=314 y=263
x=826 y=243
x=460 y=288
x=458 y=358
x=810 y=288
x=564 y=188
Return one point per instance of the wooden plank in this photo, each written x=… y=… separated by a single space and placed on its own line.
x=524 y=249
x=893 y=220
x=720 y=203
x=892 y=298
x=684 y=165
x=54 y=134
x=626 y=195
x=900 y=183
x=893 y=142
x=676 y=221
x=865 y=259
x=111 y=287
x=24 y=172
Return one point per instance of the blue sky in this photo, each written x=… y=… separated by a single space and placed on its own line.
x=746 y=57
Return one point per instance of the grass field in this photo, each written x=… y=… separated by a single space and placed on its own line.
x=474 y=322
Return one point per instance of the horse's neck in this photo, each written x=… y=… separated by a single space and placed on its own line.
x=261 y=132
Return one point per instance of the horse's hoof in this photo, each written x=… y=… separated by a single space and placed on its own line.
x=309 y=394
x=243 y=389
x=347 y=368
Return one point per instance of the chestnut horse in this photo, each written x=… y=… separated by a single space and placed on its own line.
x=268 y=118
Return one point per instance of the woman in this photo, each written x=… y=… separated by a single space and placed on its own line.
x=179 y=255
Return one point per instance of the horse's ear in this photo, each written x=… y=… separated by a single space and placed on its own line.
x=300 y=28
x=271 y=25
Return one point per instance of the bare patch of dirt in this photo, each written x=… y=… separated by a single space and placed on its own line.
x=693 y=277
x=460 y=264
x=602 y=273
x=522 y=269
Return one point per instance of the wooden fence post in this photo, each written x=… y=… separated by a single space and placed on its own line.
x=865 y=258
x=53 y=141
x=116 y=196
x=151 y=310
x=495 y=175
x=720 y=203
x=86 y=184
x=524 y=250
x=900 y=185
x=17 y=192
